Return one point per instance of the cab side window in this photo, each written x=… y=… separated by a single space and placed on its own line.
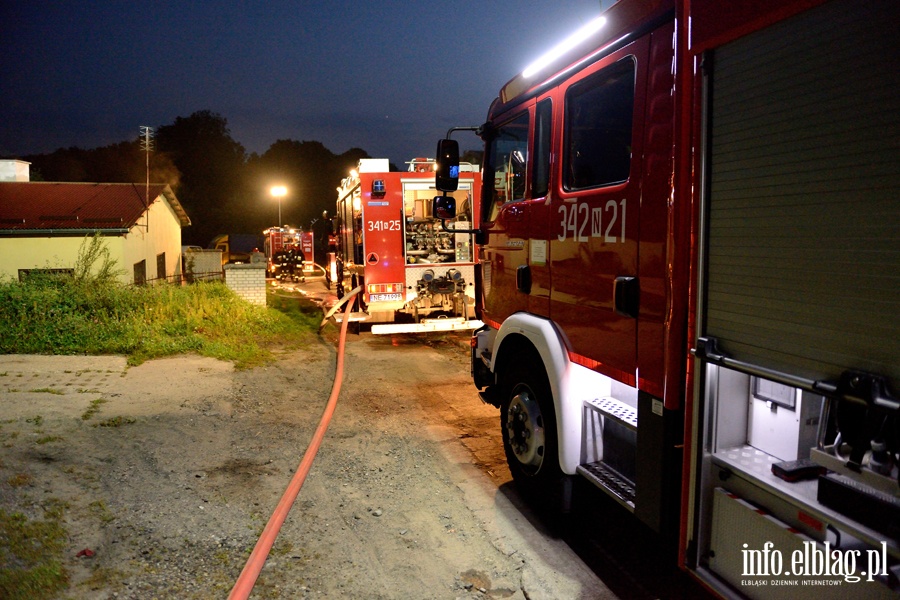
x=505 y=169
x=599 y=114
x=543 y=116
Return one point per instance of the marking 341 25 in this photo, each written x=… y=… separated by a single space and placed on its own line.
x=392 y=225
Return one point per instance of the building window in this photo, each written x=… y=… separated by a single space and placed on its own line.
x=161 y=266
x=140 y=272
x=26 y=273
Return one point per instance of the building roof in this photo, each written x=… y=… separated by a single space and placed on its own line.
x=75 y=208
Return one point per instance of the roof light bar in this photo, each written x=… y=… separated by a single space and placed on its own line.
x=567 y=44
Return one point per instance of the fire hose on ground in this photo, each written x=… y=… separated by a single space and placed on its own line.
x=312 y=267
x=247 y=579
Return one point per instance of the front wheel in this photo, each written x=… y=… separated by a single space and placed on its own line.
x=528 y=425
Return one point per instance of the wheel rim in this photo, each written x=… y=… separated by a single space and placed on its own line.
x=525 y=430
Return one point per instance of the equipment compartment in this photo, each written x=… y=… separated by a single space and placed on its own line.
x=755 y=423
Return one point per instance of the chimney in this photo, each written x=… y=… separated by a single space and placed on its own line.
x=15 y=170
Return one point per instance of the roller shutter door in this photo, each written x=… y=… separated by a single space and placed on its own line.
x=804 y=194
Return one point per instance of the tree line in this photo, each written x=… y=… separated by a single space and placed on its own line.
x=222 y=188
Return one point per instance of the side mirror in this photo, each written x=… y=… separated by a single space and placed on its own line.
x=446 y=178
x=444 y=207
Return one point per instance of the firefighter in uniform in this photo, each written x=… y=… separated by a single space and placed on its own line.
x=291 y=262
x=279 y=261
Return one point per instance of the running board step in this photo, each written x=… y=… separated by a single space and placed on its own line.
x=427 y=326
x=621 y=490
x=616 y=410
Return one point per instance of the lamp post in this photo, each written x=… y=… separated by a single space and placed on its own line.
x=279 y=192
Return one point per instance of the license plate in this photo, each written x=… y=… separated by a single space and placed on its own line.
x=385 y=297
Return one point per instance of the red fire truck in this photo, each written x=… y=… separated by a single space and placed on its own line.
x=281 y=262
x=417 y=276
x=689 y=280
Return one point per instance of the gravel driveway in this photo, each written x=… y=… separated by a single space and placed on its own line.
x=169 y=471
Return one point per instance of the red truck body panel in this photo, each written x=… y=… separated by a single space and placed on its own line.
x=602 y=173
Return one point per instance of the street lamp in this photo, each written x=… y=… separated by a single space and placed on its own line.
x=279 y=192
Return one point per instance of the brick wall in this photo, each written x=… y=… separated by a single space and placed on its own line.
x=248 y=281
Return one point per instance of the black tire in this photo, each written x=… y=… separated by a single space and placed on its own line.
x=528 y=426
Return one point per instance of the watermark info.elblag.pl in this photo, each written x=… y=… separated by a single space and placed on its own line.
x=812 y=566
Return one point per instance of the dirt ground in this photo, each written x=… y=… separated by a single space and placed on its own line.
x=170 y=470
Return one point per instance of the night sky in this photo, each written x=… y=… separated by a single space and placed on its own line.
x=389 y=77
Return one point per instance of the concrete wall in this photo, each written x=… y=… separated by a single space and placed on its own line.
x=248 y=281
x=202 y=264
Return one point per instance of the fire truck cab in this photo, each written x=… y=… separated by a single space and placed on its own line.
x=688 y=280
x=416 y=275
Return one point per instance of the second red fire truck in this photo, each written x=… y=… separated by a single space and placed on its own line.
x=416 y=275
x=289 y=253
x=689 y=277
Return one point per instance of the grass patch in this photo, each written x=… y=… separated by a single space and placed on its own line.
x=115 y=422
x=31 y=553
x=99 y=509
x=19 y=480
x=48 y=390
x=282 y=548
x=91 y=313
x=47 y=439
x=102 y=577
x=93 y=409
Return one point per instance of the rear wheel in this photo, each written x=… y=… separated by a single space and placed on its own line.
x=528 y=425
